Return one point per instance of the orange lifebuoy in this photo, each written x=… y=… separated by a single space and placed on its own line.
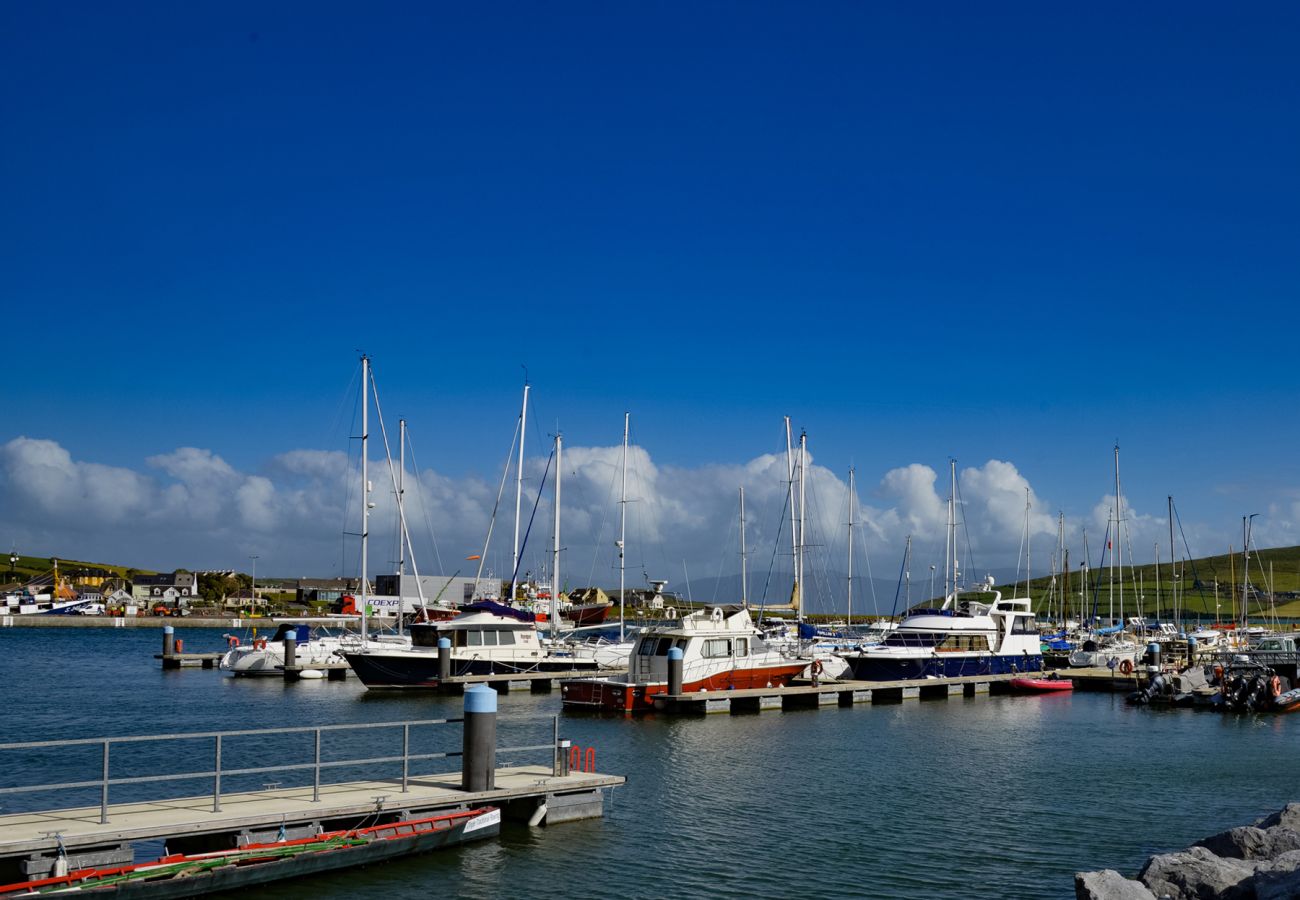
x=232 y=641
x=816 y=667
x=1126 y=667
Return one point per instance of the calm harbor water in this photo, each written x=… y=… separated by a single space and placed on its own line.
x=992 y=797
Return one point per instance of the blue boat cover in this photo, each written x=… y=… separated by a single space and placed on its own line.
x=499 y=609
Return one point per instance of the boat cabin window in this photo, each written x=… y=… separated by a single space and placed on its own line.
x=1024 y=625
x=742 y=646
x=965 y=642
x=717 y=648
x=654 y=647
x=914 y=639
x=487 y=637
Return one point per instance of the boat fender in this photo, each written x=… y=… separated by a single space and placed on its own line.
x=1126 y=667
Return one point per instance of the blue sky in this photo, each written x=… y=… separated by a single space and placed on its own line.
x=1000 y=232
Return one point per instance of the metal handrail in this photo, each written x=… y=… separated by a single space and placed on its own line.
x=217 y=772
x=297 y=729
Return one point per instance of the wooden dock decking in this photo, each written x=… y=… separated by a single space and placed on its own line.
x=186 y=660
x=846 y=693
x=292 y=807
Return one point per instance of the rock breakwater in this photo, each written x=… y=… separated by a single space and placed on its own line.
x=1250 y=862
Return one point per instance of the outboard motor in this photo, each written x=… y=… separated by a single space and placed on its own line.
x=1158 y=686
x=1260 y=696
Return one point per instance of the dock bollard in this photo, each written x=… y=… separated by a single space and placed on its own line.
x=169 y=642
x=675 y=667
x=562 y=758
x=444 y=659
x=1191 y=650
x=479 y=750
x=1153 y=657
x=290 y=650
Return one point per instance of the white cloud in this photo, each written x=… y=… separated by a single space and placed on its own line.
x=191 y=508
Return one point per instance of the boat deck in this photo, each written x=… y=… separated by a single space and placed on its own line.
x=29 y=832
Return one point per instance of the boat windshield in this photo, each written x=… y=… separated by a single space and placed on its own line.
x=914 y=639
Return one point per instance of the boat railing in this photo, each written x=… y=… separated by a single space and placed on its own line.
x=1271 y=658
x=168 y=746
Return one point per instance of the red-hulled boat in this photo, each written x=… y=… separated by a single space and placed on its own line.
x=1041 y=685
x=720 y=652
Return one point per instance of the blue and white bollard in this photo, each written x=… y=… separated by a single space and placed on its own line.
x=479 y=749
x=444 y=659
x=675 y=671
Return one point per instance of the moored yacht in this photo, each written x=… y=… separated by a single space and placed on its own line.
x=720 y=652
x=963 y=637
x=265 y=656
x=486 y=639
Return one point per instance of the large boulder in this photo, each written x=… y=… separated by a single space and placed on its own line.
x=1278 y=879
x=1247 y=842
x=1109 y=885
x=1197 y=874
x=1288 y=817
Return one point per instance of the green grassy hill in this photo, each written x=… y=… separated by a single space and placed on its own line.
x=29 y=567
x=1196 y=586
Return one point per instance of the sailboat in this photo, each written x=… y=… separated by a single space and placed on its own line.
x=721 y=648
x=1108 y=646
x=608 y=648
x=487 y=638
x=964 y=636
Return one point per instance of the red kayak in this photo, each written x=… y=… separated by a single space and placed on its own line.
x=1041 y=685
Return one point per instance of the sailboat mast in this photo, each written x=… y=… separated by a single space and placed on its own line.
x=401 y=489
x=555 y=541
x=744 y=562
x=1173 y=574
x=519 y=496
x=1246 y=522
x=950 y=536
x=794 y=533
x=907 y=571
x=1117 y=556
x=401 y=506
x=1157 y=568
x=803 y=463
x=401 y=522
x=1027 y=507
x=365 y=487
x=622 y=539
x=1065 y=590
x=850 y=592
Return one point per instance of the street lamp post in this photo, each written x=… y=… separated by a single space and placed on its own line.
x=931 y=583
x=252 y=591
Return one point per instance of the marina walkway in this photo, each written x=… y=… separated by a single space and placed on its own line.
x=268 y=809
